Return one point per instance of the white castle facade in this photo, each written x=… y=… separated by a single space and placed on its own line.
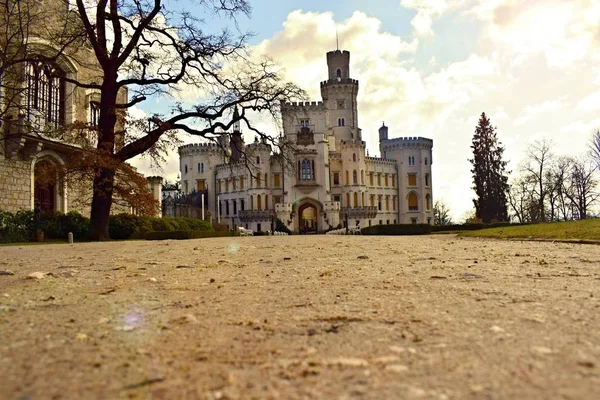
x=329 y=182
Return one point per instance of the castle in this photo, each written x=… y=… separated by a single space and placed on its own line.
x=330 y=181
x=39 y=100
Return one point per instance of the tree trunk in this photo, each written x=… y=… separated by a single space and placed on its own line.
x=101 y=204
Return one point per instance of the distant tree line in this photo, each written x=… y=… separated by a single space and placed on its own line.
x=548 y=187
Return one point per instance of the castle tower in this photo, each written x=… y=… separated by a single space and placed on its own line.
x=383 y=136
x=339 y=94
x=237 y=142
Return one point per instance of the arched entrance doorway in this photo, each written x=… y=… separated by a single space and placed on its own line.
x=308 y=218
x=45 y=185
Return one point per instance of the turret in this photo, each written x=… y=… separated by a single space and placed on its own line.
x=237 y=142
x=338 y=63
x=383 y=136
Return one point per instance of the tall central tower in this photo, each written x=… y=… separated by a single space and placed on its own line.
x=339 y=94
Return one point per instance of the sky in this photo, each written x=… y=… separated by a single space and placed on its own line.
x=430 y=68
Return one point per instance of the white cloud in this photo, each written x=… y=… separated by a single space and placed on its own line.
x=427 y=10
x=532 y=111
x=590 y=103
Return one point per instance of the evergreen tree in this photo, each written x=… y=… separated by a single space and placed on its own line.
x=490 y=179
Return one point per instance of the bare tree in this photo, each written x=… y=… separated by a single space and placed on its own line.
x=441 y=213
x=153 y=50
x=582 y=186
x=535 y=170
x=595 y=147
x=519 y=200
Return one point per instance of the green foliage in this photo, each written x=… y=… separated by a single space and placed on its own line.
x=470 y=226
x=588 y=229
x=20 y=227
x=398 y=229
x=128 y=226
x=184 y=235
x=16 y=227
x=490 y=180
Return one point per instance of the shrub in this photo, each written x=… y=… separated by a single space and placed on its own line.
x=184 y=235
x=471 y=227
x=16 y=227
x=398 y=229
x=122 y=226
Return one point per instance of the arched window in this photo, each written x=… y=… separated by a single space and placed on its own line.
x=354 y=177
x=259 y=202
x=266 y=180
x=355 y=199
x=257 y=160
x=354 y=157
x=348 y=200
x=347 y=177
x=428 y=202
x=425 y=160
x=306 y=173
x=341 y=122
x=362 y=177
x=45 y=94
x=413 y=202
x=339 y=73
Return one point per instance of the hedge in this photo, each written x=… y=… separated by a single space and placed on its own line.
x=471 y=227
x=20 y=226
x=397 y=229
x=183 y=235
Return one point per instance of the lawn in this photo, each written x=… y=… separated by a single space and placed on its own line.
x=571 y=230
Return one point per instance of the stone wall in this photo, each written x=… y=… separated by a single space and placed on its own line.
x=15 y=185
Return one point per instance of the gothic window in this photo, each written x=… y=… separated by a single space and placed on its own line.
x=94 y=114
x=45 y=93
x=412 y=179
x=257 y=160
x=354 y=177
x=428 y=202
x=413 y=202
x=339 y=73
x=426 y=179
x=341 y=122
x=306 y=171
x=425 y=160
x=336 y=178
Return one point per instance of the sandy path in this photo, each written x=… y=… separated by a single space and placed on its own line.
x=321 y=317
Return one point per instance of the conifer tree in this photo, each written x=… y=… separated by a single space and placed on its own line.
x=490 y=180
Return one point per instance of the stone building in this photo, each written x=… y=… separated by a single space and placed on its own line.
x=331 y=181
x=39 y=99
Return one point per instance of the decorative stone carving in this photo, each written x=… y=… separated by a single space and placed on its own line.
x=305 y=137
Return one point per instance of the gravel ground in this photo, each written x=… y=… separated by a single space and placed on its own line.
x=311 y=317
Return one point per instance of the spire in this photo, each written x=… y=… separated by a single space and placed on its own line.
x=236 y=115
x=337 y=40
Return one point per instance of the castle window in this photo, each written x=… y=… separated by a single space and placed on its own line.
x=45 y=94
x=305 y=123
x=306 y=171
x=266 y=180
x=94 y=114
x=354 y=177
x=386 y=180
x=242 y=182
x=378 y=179
x=185 y=168
x=235 y=207
x=354 y=157
x=393 y=180
x=348 y=200
x=201 y=185
x=425 y=160
x=337 y=198
x=413 y=202
x=226 y=207
x=394 y=204
x=234 y=183
x=226 y=185
x=276 y=180
x=411 y=160
x=371 y=179
x=347 y=177
x=257 y=160
x=242 y=203
x=427 y=180
x=428 y=202
x=355 y=199
x=339 y=73
x=412 y=179
x=341 y=122
x=362 y=177
x=200 y=167
x=185 y=183
x=336 y=178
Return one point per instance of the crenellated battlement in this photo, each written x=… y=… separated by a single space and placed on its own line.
x=408 y=142
x=312 y=105
x=199 y=148
x=346 y=81
x=379 y=161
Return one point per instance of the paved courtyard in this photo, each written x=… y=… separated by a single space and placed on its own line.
x=312 y=317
